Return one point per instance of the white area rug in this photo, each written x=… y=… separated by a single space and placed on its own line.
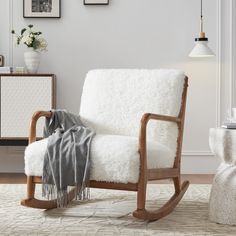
x=109 y=213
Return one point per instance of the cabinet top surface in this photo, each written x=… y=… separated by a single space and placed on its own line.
x=24 y=74
x=221 y=129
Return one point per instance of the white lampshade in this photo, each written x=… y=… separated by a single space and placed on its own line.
x=201 y=49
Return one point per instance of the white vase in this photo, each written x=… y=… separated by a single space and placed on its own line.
x=32 y=60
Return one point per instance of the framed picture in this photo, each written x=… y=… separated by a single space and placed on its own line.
x=42 y=8
x=1 y=60
x=96 y=2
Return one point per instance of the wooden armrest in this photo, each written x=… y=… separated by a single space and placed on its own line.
x=149 y=116
x=144 y=121
x=142 y=133
x=35 y=117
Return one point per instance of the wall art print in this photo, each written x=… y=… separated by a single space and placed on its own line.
x=42 y=8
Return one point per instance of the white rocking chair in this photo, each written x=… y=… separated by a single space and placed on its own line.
x=125 y=153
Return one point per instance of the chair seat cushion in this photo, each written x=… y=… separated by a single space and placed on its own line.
x=114 y=158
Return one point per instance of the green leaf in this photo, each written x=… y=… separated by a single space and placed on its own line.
x=22 y=31
x=30 y=26
x=35 y=44
x=13 y=31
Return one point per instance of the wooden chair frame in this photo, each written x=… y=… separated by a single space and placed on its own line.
x=144 y=176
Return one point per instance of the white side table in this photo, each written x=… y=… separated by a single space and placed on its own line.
x=222 y=205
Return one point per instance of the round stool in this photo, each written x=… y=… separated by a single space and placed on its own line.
x=222 y=205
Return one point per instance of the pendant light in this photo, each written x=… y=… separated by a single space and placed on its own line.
x=201 y=48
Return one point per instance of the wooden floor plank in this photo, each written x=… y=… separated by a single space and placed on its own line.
x=18 y=178
x=12 y=178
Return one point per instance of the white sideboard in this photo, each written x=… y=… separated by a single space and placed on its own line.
x=22 y=95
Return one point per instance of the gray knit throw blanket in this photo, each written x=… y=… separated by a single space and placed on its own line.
x=67 y=160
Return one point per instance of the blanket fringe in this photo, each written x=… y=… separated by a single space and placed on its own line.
x=50 y=192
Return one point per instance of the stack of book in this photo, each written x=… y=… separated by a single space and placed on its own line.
x=229 y=125
x=5 y=70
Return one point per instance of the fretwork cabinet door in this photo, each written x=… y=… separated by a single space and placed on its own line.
x=21 y=96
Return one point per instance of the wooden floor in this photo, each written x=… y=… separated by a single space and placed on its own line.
x=6 y=178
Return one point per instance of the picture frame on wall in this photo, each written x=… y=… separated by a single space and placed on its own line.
x=96 y=2
x=1 y=60
x=42 y=8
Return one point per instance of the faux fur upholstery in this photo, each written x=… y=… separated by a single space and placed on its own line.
x=113 y=102
x=222 y=203
x=113 y=158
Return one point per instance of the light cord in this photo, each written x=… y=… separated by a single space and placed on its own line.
x=201 y=20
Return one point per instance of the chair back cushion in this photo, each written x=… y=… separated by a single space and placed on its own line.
x=114 y=100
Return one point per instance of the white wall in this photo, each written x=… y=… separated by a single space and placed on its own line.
x=132 y=34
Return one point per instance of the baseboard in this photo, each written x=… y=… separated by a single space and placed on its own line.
x=200 y=164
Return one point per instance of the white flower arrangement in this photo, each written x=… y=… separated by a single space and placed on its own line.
x=31 y=38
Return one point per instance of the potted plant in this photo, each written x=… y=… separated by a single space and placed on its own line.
x=35 y=42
